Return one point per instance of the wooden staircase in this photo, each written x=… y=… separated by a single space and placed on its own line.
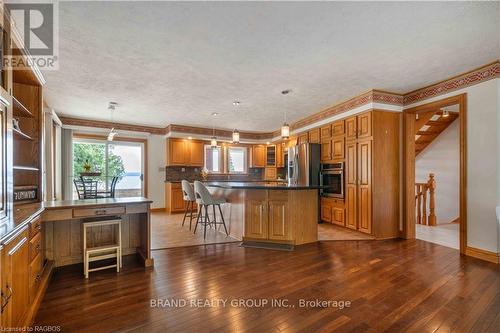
x=429 y=125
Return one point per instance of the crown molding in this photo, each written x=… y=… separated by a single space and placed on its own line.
x=373 y=97
x=475 y=76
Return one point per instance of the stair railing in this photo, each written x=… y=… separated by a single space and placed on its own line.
x=422 y=192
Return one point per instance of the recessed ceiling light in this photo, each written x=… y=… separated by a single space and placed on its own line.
x=215 y=114
x=268 y=143
x=190 y=138
x=286 y=91
x=236 y=103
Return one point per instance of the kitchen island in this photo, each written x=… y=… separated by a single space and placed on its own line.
x=270 y=212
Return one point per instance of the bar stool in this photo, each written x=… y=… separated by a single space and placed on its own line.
x=107 y=251
x=188 y=195
x=205 y=199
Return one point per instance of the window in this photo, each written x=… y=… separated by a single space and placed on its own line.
x=237 y=160
x=213 y=158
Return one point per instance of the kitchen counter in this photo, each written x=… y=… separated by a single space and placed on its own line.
x=262 y=185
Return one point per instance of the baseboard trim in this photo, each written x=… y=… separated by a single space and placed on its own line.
x=154 y=210
x=483 y=254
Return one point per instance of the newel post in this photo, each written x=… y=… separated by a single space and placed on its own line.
x=432 y=201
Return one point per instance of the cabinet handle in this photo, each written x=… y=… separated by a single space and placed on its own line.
x=38 y=246
x=100 y=212
x=6 y=299
x=37 y=277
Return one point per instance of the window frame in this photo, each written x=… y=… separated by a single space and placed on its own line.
x=245 y=160
x=221 y=160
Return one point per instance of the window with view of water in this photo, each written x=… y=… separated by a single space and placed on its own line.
x=103 y=162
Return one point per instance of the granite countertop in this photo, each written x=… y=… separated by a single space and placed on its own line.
x=24 y=214
x=262 y=185
x=233 y=181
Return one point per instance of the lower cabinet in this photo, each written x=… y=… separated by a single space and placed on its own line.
x=15 y=280
x=174 y=198
x=332 y=210
x=267 y=216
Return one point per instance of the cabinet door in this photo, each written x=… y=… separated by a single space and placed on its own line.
x=326 y=151
x=338 y=128
x=15 y=273
x=195 y=151
x=279 y=221
x=365 y=125
x=351 y=127
x=365 y=185
x=270 y=173
x=256 y=219
x=351 y=185
x=176 y=152
x=338 y=148
x=338 y=216
x=271 y=155
x=325 y=133
x=303 y=138
x=177 y=200
x=3 y=161
x=280 y=159
x=258 y=156
x=314 y=136
x=326 y=210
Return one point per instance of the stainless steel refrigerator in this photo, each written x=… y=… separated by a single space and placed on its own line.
x=304 y=164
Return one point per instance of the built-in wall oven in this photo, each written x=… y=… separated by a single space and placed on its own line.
x=332 y=177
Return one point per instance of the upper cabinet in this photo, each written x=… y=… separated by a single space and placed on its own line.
x=303 y=138
x=280 y=154
x=351 y=128
x=182 y=152
x=258 y=156
x=314 y=135
x=270 y=155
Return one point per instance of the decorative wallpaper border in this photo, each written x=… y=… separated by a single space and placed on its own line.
x=485 y=73
x=482 y=74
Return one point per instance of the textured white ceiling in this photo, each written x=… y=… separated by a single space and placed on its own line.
x=167 y=62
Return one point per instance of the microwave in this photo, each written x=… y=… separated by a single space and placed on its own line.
x=332 y=180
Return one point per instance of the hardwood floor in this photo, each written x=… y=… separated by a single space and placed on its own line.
x=168 y=232
x=393 y=286
x=328 y=231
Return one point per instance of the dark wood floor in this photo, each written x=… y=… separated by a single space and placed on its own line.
x=394 y=286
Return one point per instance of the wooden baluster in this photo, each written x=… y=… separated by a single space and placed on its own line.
x=424 y=205
x=419 y=204
x=432 y=201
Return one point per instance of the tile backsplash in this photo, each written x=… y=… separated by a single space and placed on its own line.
x=173 y=174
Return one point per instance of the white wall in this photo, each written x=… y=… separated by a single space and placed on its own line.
x=483 y=162
x=442 y=157
x=156 y=170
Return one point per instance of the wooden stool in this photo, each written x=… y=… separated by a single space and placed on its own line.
x=96 y=253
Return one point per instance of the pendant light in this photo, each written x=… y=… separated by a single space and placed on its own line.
x=213 y=140
x=111 y=107
x=236 y=136
x=285 y=128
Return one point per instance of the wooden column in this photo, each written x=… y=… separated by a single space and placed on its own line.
x=432 y=201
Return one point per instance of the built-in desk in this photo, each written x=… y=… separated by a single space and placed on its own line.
x=62 y=227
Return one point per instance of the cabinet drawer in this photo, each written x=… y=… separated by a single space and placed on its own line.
x=98 y=211
x=35 y=227
x=137 y=208
x=35 y=274
x=35 y=246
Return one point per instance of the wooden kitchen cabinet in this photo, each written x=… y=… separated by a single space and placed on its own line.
x=256 y=215
x=303 y=138
x=325 y=133
x=270 y=173
x=279 y=225
x=258 y=156
x=351 y=180
x=337 y=148
x=326 y=209
x=280 y=156
x=351 y=128
x=270 y=155
x=338 y=128
x=15 y=280
x=332 y=210
x=174 y=198
x=314 y=135
x=364 y=186
x=326 y=151
x=183 y=152
x=364 y=127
